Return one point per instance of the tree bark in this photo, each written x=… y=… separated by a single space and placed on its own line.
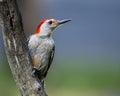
x=17 y=50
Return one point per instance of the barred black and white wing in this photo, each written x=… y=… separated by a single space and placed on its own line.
x=50 y=59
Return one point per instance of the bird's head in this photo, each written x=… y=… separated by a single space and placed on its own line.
x=47 y=26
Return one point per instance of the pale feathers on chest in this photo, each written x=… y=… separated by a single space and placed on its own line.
x=39 y=44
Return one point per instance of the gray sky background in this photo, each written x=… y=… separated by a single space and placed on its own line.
x=95 y=26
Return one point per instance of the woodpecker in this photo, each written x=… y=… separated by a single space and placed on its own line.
x=41 y=45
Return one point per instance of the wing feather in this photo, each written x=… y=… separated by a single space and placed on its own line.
x=50 y=59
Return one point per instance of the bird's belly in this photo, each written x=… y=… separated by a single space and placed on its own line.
x=42 y=56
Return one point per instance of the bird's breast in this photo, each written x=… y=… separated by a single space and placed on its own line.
x=45 y=46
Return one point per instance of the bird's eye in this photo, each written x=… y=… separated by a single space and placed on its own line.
x=50 y=22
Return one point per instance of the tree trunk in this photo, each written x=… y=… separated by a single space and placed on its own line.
x=17 y=50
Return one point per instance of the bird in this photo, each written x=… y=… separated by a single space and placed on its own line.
x=42 y=47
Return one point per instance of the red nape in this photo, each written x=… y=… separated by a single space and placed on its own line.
x=39 y=25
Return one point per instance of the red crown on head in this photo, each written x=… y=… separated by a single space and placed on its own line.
x=39 y=25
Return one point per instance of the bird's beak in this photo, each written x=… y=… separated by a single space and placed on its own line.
x=63 y=21
x=59 y=23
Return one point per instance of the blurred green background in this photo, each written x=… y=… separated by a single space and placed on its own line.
x=87 y=58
